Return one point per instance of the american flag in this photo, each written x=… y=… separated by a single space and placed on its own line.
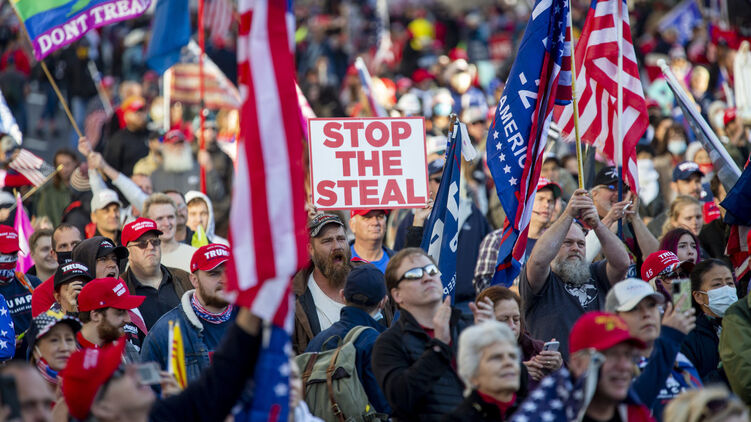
x=557 y=398
x=737 y=206
x=268 y=220
x=367 y=87
x=219 y=19
x=32 y=167
x=219 y=92
x=539 y=78
x=597 y=88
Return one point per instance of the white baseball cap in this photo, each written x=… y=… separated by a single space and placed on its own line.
x=626 y=294
x=103 y=198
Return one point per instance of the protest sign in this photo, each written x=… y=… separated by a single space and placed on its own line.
x=368 y=163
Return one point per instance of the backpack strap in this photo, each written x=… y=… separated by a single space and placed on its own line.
x=330 y=385
x=355 y=332
x=309 y=369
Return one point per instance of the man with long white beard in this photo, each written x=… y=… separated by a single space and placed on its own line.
x=181 y=172
x=556 y=284
x=316 y=287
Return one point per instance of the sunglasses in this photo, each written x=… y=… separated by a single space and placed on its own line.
x=614 y=188
x=418 y=273
x=143 y=244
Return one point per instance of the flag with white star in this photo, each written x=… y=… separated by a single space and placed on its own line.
x=557 y=398
x=539 y=78
x=7 y=334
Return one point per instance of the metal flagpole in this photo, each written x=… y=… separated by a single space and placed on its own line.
x=619 y=130
x=167 y=100
x=579 y=160
x=201 y=88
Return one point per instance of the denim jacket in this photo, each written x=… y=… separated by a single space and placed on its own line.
x=196 y=352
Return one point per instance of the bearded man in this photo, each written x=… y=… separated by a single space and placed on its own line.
x=316 y=287
x=181 y=172
x=204 y=314
x=556 y=284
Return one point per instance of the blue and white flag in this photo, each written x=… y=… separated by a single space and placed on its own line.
x=8 y=123
x=683 y=18
x=539 y=78
x=441 y=235
x=366 y=82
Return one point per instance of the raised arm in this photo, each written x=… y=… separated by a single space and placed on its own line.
x=547 y=246
x=612 y=247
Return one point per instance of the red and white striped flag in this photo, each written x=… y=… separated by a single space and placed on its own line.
x=218 y=19
x=738 y=251
x=32 y=167
x=268 y=229
x=597 y=88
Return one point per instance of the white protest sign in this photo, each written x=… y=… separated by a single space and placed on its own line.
x=368 y=163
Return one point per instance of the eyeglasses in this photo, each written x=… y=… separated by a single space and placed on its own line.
x=614 y=188
x=418 y=273
x=143 y=244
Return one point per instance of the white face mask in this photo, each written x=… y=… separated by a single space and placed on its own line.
x=677 y=146
x=720 y=299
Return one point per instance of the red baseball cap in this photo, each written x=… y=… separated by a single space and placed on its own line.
x=137 y=228
x=85 y=372
x=8 y=239
x=353 y=213
x=107 y=292
x=174 y=136
x=133 y=103
x=728 y=116
x=208 y=257
x=543 y=183
x=661 y=262
x=600 y=331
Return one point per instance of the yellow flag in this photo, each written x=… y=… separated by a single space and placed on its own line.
x=176 y=355
x=199 y=238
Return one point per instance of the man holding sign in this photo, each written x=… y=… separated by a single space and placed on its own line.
x=369 y=228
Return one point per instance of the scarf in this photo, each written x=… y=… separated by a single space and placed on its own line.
x=49 y=374
x=7 y=268
x=211 y=317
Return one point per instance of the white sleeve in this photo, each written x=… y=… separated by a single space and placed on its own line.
x=131 y=191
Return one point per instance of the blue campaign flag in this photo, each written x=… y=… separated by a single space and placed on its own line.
x=441 y=235
x=540 y=77
x=270 y=400
x=170 y=32
x=8 y=123
x=683 y=18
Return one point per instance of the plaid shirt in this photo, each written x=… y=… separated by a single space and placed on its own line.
x=486 y=260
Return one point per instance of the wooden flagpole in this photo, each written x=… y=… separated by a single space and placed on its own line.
x=579 y=160
x=49 y=77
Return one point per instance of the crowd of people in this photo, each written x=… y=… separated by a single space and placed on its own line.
x=130 y=239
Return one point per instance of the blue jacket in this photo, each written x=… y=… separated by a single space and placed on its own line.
x=197 y=357
x=351 y=317
x=666 y=373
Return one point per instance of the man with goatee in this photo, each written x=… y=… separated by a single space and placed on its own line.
x=557 y=286
x=316 y=287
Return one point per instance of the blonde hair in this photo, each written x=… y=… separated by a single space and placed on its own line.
x=158 y=198
x=692 y=406
x=678 y=204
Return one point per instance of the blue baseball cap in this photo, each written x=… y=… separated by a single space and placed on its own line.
x=365 y=286
x=685 y=170
x=436 y=166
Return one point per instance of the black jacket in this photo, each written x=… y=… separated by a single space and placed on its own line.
x=416 y=373
x=475 y=409
x=211 y=397
x=125 y=148
x=701 y=347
